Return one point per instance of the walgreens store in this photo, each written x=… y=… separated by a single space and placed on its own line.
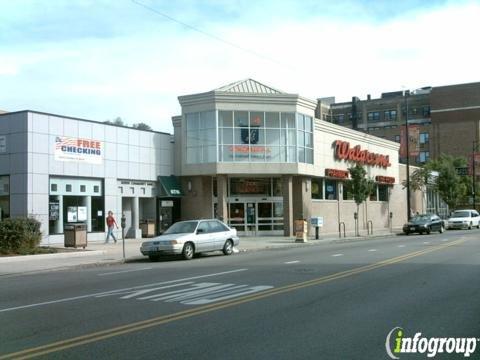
x=259 y=159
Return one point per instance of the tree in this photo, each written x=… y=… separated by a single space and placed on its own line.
x=452 y=188
x=117 y=121
x=142 y=126
x=361 y=186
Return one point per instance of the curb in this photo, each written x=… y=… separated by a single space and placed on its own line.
x=19 y=258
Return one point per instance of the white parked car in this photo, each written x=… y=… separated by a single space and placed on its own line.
x=191 y=237
x=464 y=219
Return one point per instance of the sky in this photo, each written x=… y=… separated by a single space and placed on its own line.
x=102 y=59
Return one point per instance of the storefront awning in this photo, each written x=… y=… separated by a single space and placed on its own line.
x=170 y=186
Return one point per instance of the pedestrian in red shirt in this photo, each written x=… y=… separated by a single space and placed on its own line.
x=110 y=223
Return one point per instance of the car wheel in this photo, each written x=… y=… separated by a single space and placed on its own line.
x=228 y=247
x=153 y=257
x=188 y=251
x=470 y=226
x=442 y=229
x=406 y=232
x=428 y=230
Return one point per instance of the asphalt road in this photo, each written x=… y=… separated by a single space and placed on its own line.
x=331 y=301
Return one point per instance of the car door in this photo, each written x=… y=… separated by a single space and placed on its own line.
x=219 y=234
x=476 y=216
x=203 y=237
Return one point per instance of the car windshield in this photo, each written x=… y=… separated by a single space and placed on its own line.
x=421 y=218
x=182 y=227
x=461 y=214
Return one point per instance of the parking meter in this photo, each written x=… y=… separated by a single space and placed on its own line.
x=123 y=224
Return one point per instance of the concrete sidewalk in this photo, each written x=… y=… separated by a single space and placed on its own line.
x=98 y=253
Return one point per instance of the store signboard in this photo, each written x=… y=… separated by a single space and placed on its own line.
x=78 y=150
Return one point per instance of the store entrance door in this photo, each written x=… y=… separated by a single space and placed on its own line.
x=253 y=218
x=165 y=218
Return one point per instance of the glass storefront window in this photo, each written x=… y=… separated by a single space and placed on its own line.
x=277 y=187
x=257 y=136
x=272 y=120
x=201 y=137
x=225 y=118
x=317 y=189
x=347 y=190
x=382 y=192
x=330 y=189
x=373 y=194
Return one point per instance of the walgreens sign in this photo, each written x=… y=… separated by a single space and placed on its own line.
x=343 y=151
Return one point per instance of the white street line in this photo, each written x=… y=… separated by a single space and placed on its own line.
x=337 y=255
x=116 y=291
x=401 y=245
x=444 y=240
x=124 y=271
x=372 y=250
x=292 y=262
x=426 y=242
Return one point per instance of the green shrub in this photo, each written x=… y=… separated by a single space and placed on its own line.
x=19 y=235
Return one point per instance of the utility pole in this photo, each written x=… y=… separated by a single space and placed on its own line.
x=475 y=142
x=407 y=140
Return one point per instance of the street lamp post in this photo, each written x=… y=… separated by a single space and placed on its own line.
x=408 y=154
x=475 y=142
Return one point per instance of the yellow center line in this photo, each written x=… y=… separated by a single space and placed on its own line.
x=144 y=324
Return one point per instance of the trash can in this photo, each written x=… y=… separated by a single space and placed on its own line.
x=301 y=230
x=75 y=235
x=148 y=227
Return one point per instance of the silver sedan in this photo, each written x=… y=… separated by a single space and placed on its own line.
x=190 y=237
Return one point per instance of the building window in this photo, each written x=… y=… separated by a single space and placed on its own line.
x=382 y=192
x=423 y=138
x=143 y=191
x=339 y=118
x=373 y=116
x=68 y=188
x=96 y=189
x=120 y=189
x=423 y=156
x=390 y=115
x=426 y=111
x=53 y=187
x=397 y=138
x=83 y=188
x=330 y=189
x=317 y=189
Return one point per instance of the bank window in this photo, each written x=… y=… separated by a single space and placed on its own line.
x=120 y=189
x=132 y=190
x=225 y=118
x=347 y=190
x=53 y=187
x=382 y=192
x=96 y=189
x=330 y=189
x=373 y=116
x=68 y=188
x=317 y=189
x=83 y=188
x=423 y=138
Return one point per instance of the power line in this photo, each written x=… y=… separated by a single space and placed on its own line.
x=217 y=38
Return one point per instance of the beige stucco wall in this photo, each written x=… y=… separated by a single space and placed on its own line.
x=197 y=203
